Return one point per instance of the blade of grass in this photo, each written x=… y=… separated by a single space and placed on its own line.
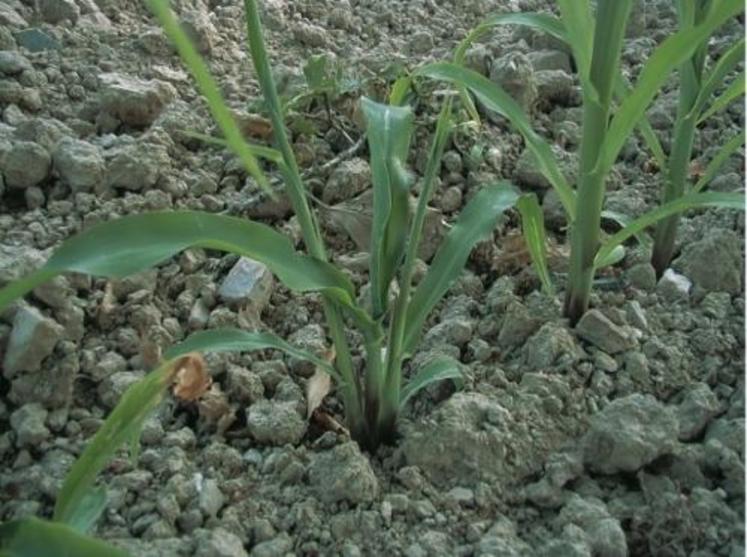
x=236 y=340
x=715 y=78
x=439 y=369
x=130 y=244
x=209 y=89
x=685 y=203
x=533 y=228
x=667 y=56
x=579 y=26
x=496 y=99
x=475 y=222
x=33 y=537
x=727 y=150
x=388 y=129
x=732 y=93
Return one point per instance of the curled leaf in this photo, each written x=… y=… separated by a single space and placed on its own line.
x=190 y=377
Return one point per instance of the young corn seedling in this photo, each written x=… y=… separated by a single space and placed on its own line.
x=373 y=396
x=596 y=43
x=695 y=105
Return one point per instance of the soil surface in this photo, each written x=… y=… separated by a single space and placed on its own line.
x=621 y=436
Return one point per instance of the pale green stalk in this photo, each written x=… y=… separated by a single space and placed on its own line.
x=394 y=355
x=309 y=226
x=678 y=164
x=609 y=33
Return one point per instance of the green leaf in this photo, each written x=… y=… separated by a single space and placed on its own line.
x=316 y=72
x=533 y=227
x=127 y=417
x=496 y=99
x=130 y=244
x=209 y=90
x=475 y=222
x=623 y=221
x=388 y=129
x=579 y=26
x=88 y=510
x=715 y=78
x=727 y=150
x=236 y=340
x=684 y=203
x=667 y=56
x=611 y=258
x=732 y=93
x=32 y=537
x=438 y=369
x=400 y=89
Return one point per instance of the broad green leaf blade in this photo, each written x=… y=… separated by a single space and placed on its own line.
x=690 y=201
x=496 y=99
x=400 y=89
x=533 y=227
x=438 y=369
x=236 y=340
x=209 y=90
x=727 y=150
x=475 y=222
x=127 y=417
x=88 y=510
x=613 y=257
x=715 y=78
x=388 y=129
x=130 y=244
x=667 y=56
x=579 y=27
x=732 y=93
x=32 y=537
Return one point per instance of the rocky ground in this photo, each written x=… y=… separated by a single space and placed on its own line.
x=621 y=436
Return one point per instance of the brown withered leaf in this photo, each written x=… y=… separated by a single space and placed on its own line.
x=253 y=125
x=190 y=377
x=318 y=385
x=514 y=256
x=327 y=422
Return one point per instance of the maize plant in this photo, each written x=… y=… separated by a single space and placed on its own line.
x=596 y=40
x=372 y=396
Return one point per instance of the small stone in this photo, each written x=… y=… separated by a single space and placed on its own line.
x=642 y=276
x=518 y=325
x=79 y=164
x=249 y=283
x=716 y=305
x=636 y=315
x=211 y=498
x=597 y=329
x=451 y=200
x=628 y=434
x=219 y=543
x=551 y=345
x=310 y=34
x=56 y=11
x=528 y=172
x=275 y=423
x=673 y=286
x=196 y=24
x=279 y=546
x=9 y=17
x=604 y=534
x=421 y=42
x=32 y=338
x=35 y=39
x=133 y=101
x=135 y=166
x=698 y=407
x=311 y=338
x=513 y=72
x=462 y=496
x=243 y=385
x=550 y=60
x=349 y=179
x=714 y=263
x=555 y=86
x=343 y=474
x=456 y=331
x=13 y=63
x=26 y=164
x=28 y=424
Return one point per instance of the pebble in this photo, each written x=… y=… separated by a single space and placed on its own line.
x=714 y=264
x=58 y=11
x=26 y=164
x=698 y=407
x=343 y=474
x=597 y=329
x=219 y=543
x=628 y=434
x=32 y=338
x=248 y=282
x=642 y=276
x=275 y=423
x=35 y=39
x=513 y=72
x=28 y=424
x=672 y=286
x=79 y=164
x=13 y=62
x=349 y=179
x=133 y=101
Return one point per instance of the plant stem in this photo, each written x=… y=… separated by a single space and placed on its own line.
x=678 y=164
x=394 y=356
x=608 y=39
x=309 y=226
